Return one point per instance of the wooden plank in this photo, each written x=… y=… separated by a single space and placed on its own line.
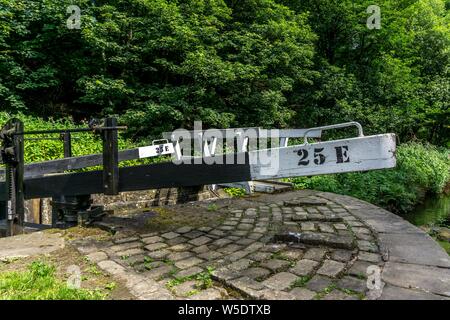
x=36 y=210
x=154 y=176
x=74 y=163
x=347 y=155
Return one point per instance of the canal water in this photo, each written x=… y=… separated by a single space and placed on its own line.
x=435 y=211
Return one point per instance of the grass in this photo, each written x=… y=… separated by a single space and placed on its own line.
x=111 y=286
x=325 y=291
x=191 y=293
x=212 y=207
x=332 y=287
x=235 y=192
x=360 y=276
x=350 y=292
x=94 y=270
x=169 y=262
x=204 y=279
x=281 y=256
x=39 y=282
x=445 y=245
x=148 y=263
x=166 y=219
x=301 y=281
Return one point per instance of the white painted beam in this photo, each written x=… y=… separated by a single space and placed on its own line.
x=337 y=156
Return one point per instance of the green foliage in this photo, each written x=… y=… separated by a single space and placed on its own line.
x=39 y=150
x=162 y=64
x=445 y=245
x=111 y=286
x=420 y=169
x=82 y=143
x=391 y=80
x=148 y=263
x=235 y=192
x=203 y=280
x=39 y=282
x=301 y=281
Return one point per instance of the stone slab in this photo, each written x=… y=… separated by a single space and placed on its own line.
x=423 y=278
x=32 y=244
x=397 y=293
x=418 y=248
x=280 y=281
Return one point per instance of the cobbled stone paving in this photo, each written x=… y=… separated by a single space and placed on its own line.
x=299 y=249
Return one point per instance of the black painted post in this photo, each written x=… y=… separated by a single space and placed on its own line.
x=66 y=137
x=3 y=210
x=19 y=175
x=15 y=169
x=110 y=158
x=58 y=214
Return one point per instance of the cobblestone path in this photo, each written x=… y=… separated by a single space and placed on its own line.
x=300 y=245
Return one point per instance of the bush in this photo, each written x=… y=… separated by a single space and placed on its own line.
x=421 y=169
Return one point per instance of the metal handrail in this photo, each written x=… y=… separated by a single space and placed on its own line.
x=154 y=142
x=336 y=126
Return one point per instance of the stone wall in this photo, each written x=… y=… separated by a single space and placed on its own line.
x=40 y=210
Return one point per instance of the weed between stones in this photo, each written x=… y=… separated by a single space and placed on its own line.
x=204 y=280
x=325 y=291
x=359 y=295
x=301 y=282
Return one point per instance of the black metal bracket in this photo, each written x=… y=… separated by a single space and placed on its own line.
x=12 y=154
x=67 y=208
x=69 y=211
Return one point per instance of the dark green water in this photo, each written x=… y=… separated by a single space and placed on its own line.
x=433 y=212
